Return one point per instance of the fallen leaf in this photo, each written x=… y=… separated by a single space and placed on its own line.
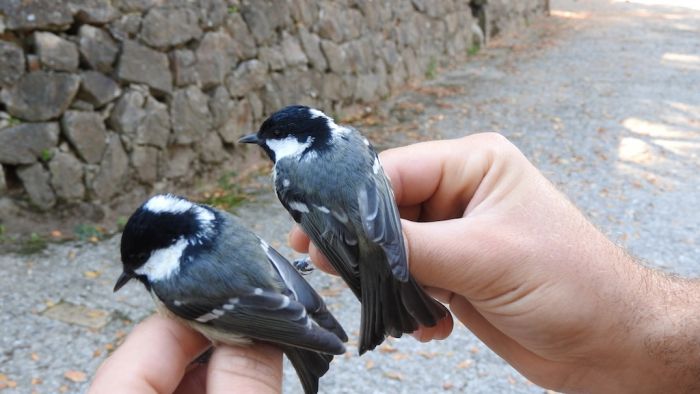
x=35 y=357
x=94 y=239
x=474 y=350
x=97 y=353
x=465 y=364
x=109 y=346
x=393 y=375
x=56 y=234
x=428 y=355
x=386 y=348
x=447 y=386
x=369 y=365
x=36 y=381
x=3 y=377
x=75 y=376
x=400 y=356
x=91 y=274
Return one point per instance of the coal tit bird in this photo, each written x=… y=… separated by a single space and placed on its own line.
x=330 y=180
x=204 y=268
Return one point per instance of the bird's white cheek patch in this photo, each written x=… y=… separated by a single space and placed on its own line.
x=288 y=147
x=163 y=262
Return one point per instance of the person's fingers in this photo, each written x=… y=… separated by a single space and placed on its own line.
x=441 y=330
x=440 y=176
x=440 y=258
x=194 y=381
x=320 y=260
x=153 y=358
x=245 y=369
x=298 y=240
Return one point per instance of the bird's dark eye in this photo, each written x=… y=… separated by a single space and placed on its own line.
x=277 y=133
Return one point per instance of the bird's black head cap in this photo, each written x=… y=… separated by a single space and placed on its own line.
x=296 y=121
x=159 y=223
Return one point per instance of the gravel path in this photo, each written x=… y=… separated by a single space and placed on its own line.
x=603 y=97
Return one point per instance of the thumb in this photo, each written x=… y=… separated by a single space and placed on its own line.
x=443 y=254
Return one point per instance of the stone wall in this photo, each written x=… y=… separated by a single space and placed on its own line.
x=102 y=96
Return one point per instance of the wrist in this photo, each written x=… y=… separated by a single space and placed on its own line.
x=659 y=340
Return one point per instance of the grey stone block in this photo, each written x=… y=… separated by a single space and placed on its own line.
x=12 y=64
x=212 y=13
x=126 y=27
x=35 y=180
x=67 y=177
x=134 y=5
x=141 y=118
x=248 y=76
x=41 y=95
x=189 y=112
x=25 y=143
x=184 y=64
x=335 y=56
x=144 y=159
x=211 y=150
x=216 y=56
x=231 y=119
x=97 y=48
x=329 y=22
x=164 y=27
x=96 y=12
x=291 y=50
x=36 y=14
x=112 y=171
x=98 y=89
x=140 y=64
x=272 y=57
x=87 y=133
x=3 y=185
x=180 y=162
x=56 y=53
x=312 y=46
x=244 y=43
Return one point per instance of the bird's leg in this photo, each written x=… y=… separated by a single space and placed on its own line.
x=303 y=265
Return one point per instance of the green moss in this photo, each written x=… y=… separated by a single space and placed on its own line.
x=431 y=72
x=32 y=245
x=473 y=50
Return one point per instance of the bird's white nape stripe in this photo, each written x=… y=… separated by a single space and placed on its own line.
x=288 y=147
x=163 y=262
x=167 y=203
x=336 y=131
x=317 y=114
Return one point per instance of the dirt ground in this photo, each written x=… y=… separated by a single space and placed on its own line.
x=602 y=96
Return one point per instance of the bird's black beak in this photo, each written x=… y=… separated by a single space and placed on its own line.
x=250 y=139
x=123 y=279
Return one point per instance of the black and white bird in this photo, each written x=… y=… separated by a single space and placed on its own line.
x=330 y=180
x=204 y=268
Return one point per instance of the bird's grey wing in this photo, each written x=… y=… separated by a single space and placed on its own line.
x=302 y=291
x=257 y=313
x=381 y=221
x=329 y=229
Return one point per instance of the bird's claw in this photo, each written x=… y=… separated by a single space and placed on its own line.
x=303 y=265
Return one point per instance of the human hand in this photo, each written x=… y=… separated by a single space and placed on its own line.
x=520 y=266
x=156 y=357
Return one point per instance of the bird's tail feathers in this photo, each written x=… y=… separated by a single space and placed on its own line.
x=391 y=307
x=310 y=366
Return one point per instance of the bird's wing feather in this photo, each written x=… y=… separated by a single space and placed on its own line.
x=381 y=221
x=260 y=314
x=303 y=292
x=329 y=229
